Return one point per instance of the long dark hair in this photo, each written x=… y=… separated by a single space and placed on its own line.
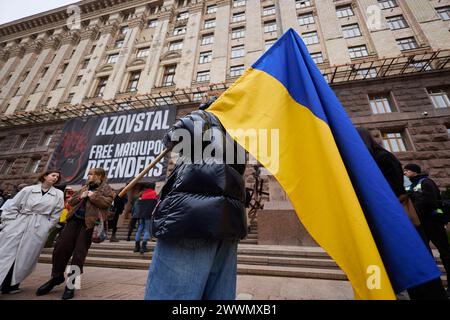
x=368 y=139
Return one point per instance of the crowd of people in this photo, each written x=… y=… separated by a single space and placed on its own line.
x=198 y=219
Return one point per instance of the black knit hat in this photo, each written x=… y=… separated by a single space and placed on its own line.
x=413 y=167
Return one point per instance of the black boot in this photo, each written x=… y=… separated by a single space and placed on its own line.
x=144 y=247
x=137 y=246
x=68 y=294
x=113 y=238
x=49 y=285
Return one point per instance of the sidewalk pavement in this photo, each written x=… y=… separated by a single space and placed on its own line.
x=125 y=284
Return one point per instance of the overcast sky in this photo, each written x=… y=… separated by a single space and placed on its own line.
x=11 y=10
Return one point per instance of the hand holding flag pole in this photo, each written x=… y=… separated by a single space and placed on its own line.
x=143 y=173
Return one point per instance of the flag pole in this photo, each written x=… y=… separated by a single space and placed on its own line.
x=143 y=173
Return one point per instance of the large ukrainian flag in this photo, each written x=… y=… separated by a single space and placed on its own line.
x=335 y=186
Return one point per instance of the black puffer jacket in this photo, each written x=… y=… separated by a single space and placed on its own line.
x=204 y=199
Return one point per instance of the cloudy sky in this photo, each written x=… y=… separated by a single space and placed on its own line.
x=11 y=10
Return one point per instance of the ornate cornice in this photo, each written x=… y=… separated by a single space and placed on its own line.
x=34 y=46
x=90 y=32
x=4 y=54
x=52 y=42
x=137 y=21
x=110 y=27
x=17 y=50
x=70 y=37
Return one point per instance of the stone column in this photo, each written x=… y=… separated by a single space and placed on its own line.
x=115 y=79
x=185 y=69
x=219 y=64
x=16 y=53
x=288 y=16
x=254 y=46
x=6 y=63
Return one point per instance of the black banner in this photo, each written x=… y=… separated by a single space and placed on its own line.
x=122 y=143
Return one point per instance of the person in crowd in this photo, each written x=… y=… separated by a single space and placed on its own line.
x=199 y=219
x=425 y=195
x=54 y=233
x=88 y=205
x=117 y=209
x=8 y=197
x=137 y=192
x=24 y=229
x=142 y=211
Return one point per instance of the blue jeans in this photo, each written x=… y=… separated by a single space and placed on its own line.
x=144 y=226
x=193 y=269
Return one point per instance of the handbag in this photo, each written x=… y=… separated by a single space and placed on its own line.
x=100 y=232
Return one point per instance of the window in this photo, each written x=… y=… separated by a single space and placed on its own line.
x=25 y=75
x=70 y=97
x=440 y=97
x=56 y=84
x=310 y=37
x=237 y=52
x=112 y=58
x=444 y=12
x=205 y=57
x=238 y=16
x=143 y=52
x=85 y=64
x=407 y=43
x=179 y=30
x=32 y=166
x=47 y=101
x=153 y=23
x=305 y=19
x=317 y=57
x=44 y=71
x=21 y=141
x=380 y=103
x=345 y=11
x=238 y=3
x=237 y=33
x=64 y=67
x=387 y=4
x=302 y=4
x=236 y=71
x=169 y=75
x=397 y=22
x=25 y=106
x=207 y=39
x=101 y=85
x=197 y=97
x=393 y=141
x=269 y=43
x=183 y=16
x=124 y=30
x=269 y=10
x=421 y=65
x=176 y=45
x=351 y=31
x=367 y=73
x=133 y=82
x=203 y=76
x=211 y=23
x=46 y=139
x=35 y=88
x=6 y=167
x=77 y=81
x=211 y=9
x=270 y=26
x=358 y=52
x=92 y=49
x=118 y=44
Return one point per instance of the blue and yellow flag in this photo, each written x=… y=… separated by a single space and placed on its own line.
x=334 y=184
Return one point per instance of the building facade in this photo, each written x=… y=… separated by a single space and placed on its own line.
x=388 y=62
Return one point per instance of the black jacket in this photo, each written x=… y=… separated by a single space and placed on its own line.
x=144 y=206
x=392 y=170
x=202 y=199
x=425 y=200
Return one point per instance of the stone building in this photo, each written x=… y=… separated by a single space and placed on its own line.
x=388 y=62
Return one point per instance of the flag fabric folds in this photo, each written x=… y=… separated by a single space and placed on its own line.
x=336 y=188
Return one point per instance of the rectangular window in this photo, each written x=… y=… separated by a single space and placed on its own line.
x=237 y=52
x=153 y=23
x=211 y=23
x=444 y=13
x=407 y=43
x=207 y=39
x=133 y=81
x=197 y=97
x=46 y=139
x=238 y=3
x=6 y=167
x=169 y=75
x=118 y=44
x=238 y=17
x=47 y=101
x=176 y=45
x=237 y=33
x=85 y=64
x=70 y=97
x=310 y=37
x=112 y=58
x=351 y=31
x=440 y=97
x=236 y=71
x=211 y=9
x=203 y=76
x=269 y=10
x=205 y=57
x=179 y=30
x=397 y=22
x=344 y=11
x=183 y=16
x=35 y=88
x=93 y=49
x=387 y=4
x=77 y=81
x=124 y=30
x=381 y=103
x=302 y=4
x=143 y=52
x=393 y=141
x=367 y=73
x=317 y=57
x=56 y=84
x=358 y=52
x=305 y=19
x=32 y=166
x=64 y=67
x=21 y=141
x=269 y=43
x=101 y=85
x=270 y=26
